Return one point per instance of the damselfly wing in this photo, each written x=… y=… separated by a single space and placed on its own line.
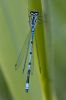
x=23 y=53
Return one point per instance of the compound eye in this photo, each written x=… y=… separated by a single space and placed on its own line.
x=31 y=13
x=37 y=13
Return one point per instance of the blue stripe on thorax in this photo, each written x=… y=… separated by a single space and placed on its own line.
x=33 y=24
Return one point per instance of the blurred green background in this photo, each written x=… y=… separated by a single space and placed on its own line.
x=51 y=37
x=14 y=27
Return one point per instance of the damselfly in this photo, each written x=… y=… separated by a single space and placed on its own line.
x=28 y=51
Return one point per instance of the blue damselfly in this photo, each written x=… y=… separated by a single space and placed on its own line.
x=28 y=45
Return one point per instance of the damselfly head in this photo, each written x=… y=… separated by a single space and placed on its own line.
x=33 y=18
x=34 y=13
